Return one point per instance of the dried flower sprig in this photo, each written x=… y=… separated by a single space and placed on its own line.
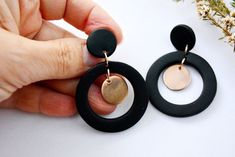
x=219 y=15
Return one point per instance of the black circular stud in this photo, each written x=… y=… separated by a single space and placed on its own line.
x=183 y=35
x=206 y=97
x=101 y=40
x=116 y=124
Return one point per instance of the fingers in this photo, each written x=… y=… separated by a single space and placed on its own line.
x=38 y=99
x=68 y=87
x=56 y=59
x=73 y=50
x=82 y=14
x=49 y=31
x=90 y=16
x=52 y=10
x=97 y=102
x=29 y=17
x=7 y=20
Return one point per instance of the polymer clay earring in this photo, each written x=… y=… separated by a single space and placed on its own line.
x=102 y=43
x=177 y=77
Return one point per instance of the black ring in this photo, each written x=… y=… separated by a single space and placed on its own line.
x=120 y=123
x=206 y=97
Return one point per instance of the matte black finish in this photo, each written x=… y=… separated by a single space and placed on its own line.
x=182 y=35
x=101 y=40
x=206 y=97
x=128 y=119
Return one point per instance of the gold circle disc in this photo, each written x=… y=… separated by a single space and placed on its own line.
x=176 y=77
x=114 y=90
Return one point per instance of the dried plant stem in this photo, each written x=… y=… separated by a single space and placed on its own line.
x=225 y=31
x=219 y=15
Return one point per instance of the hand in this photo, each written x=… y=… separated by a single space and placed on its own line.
x=34 y=50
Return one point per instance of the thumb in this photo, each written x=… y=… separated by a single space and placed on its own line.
x=57 y=59
x=24 y=61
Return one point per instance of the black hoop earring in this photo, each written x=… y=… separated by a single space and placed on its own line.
x=102 y=43
x=176 y=76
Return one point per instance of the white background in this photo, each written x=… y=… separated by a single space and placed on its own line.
x=146 y=26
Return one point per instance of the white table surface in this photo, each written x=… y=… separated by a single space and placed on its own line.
x=146 y=26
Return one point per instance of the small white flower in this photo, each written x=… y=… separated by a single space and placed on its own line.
x=231 y=39
x=228 y=22
x=202 y=3
x=203 y=8
x=203 y=11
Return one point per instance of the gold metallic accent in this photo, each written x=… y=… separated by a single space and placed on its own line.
x=186 y=49
x=106 y=59
x=108 y=76
x=184 y=59
x=114 y=90
x=107 y=66
x=182 y=63
x=176 y=77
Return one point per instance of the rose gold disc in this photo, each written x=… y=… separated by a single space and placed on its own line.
x=176 y=77
x=114 y=90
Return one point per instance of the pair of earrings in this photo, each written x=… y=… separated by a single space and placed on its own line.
x=102 y=43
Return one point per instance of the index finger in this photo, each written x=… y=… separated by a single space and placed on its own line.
x=82 y=14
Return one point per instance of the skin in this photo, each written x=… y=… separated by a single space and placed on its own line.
x=40 y=62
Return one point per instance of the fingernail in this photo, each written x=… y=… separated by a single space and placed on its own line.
x=88 y=59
